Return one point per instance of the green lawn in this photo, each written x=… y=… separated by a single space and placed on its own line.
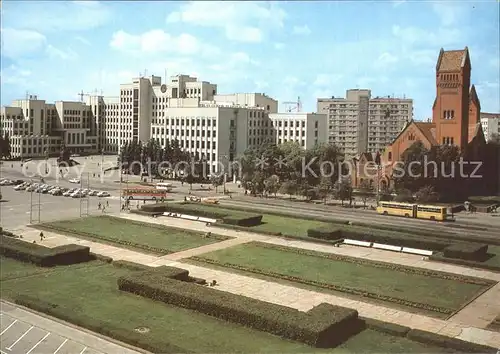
x=495 y=260
x=286 y=225
x=435 y=291
x=133 y=234
x=91 y=291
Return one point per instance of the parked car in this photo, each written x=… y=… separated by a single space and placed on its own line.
x=93 y=193
x=103 y=194
x=74 y=180
x=69 y=192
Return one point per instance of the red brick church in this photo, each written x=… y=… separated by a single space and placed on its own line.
x=455 y=120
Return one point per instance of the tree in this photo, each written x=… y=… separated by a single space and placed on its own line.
x=404 y=196
x=272 y=185
x=325 y=188
x=343 y=190
x=427 y=195
x=494 y=139
x=365 y=191
x=289 y=187
x=5 y=148
x=216 y=181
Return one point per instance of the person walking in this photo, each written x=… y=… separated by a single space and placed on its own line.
x=42 y=236
x=107 y=203
x=99 y=206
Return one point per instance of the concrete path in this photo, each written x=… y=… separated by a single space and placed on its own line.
x=300 y=298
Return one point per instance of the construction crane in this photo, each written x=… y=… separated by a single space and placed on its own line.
x=293 y=106
x=82 y=94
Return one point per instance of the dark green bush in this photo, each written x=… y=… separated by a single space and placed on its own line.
x=43 y=256
x=246 y=221
x=325 y=233
x=100 y=257
x=387 y=327
x=448 y=342
x=466 y=251
x=411 y=242
x=125 y=335
x=146 y=213
x=132 y=266
x=325 y=330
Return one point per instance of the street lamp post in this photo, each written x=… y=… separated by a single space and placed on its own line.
x=46 y=161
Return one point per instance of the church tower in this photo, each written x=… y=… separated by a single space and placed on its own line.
x=450 y=112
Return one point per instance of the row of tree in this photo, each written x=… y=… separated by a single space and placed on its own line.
x=5 y=148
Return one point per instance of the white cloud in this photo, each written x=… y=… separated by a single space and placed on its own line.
x=158 y=41
x=56 y=53
x=57 y=16
x=17 y=43
x=279 y=46
x=241 y=21
x=386 y=59
x=414 y=35
x=15 y=76
x=325 y=80
x=449 y=12
x=82 y=40
x=301 y=30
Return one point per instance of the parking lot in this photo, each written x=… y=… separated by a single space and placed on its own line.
x=23 y=332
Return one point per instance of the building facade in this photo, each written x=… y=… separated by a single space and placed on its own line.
x=38 y=129
x=306 y=129
x=491 y=125
x=359 y=123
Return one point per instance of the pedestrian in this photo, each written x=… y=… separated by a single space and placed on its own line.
x=41 y=236
x=107 y=203
x=99 y=206
x=103 y=209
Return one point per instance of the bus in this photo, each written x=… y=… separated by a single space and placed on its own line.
x=144 y=194
x=164 y=186
x=409 y=210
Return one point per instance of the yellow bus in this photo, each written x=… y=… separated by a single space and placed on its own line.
x=429 y=212
x=432 y=212
x=398 y=209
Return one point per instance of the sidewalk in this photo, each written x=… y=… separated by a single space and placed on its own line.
x=277 y=293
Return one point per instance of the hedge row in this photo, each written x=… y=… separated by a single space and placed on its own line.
x=473 y=264
x=228 y=216
x=169 y=272
x=278 y=234
x=326 y=330
x=325 y=233
x=448 y=342
x=427 y=337
x=334 y=287
x=100 y=257
x=43 y=256
x=145 y=213
x=466 y=251
x=125 y=335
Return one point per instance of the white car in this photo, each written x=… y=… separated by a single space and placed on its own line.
x=103 y=194
x=69 y=192
x=74 y=180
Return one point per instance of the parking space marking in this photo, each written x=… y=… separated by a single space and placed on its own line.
x=40 y=341
x=84 y=349
x=6 y=329
x=18 y=339
x=59 y=348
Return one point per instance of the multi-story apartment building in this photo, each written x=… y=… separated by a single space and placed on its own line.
x=491 y=125
x=38 y=129
x=306 y=129
x=359 y=123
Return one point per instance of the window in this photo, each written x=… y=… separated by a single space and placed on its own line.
x=390 y=156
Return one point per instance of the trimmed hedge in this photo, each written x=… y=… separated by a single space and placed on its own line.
x=448 y=342
x=387 y=327
x=100 y=257
x=331 y=328
x=473 y=264
x=466 y=251
x=43 y=256
x=132 y=266
x=325 y=233
x=125 y=335
x=229 y=217
x=145 y=213
x=411 y=242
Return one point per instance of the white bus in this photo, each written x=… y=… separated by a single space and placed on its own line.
x=164 y=186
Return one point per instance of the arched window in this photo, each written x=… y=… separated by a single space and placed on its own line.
x=452 y=114
x=444 y=114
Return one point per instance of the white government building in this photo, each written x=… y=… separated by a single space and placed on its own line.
x=218 y=128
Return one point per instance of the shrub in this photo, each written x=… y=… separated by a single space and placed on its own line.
x=43 y=256
x=100 y=257
x=125 y=335
x=247 y=221
x=411 y=242
x=132 y=266
x=330 y=328
x=145 y=213
x=466 y=251
x=387 y=327
x=448 y=342
x=325 y=233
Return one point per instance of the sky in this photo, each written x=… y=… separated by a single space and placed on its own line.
x=286 y=49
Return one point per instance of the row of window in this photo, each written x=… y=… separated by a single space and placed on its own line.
x=449 y=114
x=448 y=141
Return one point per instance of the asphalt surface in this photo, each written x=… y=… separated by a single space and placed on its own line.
x=25 y=332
